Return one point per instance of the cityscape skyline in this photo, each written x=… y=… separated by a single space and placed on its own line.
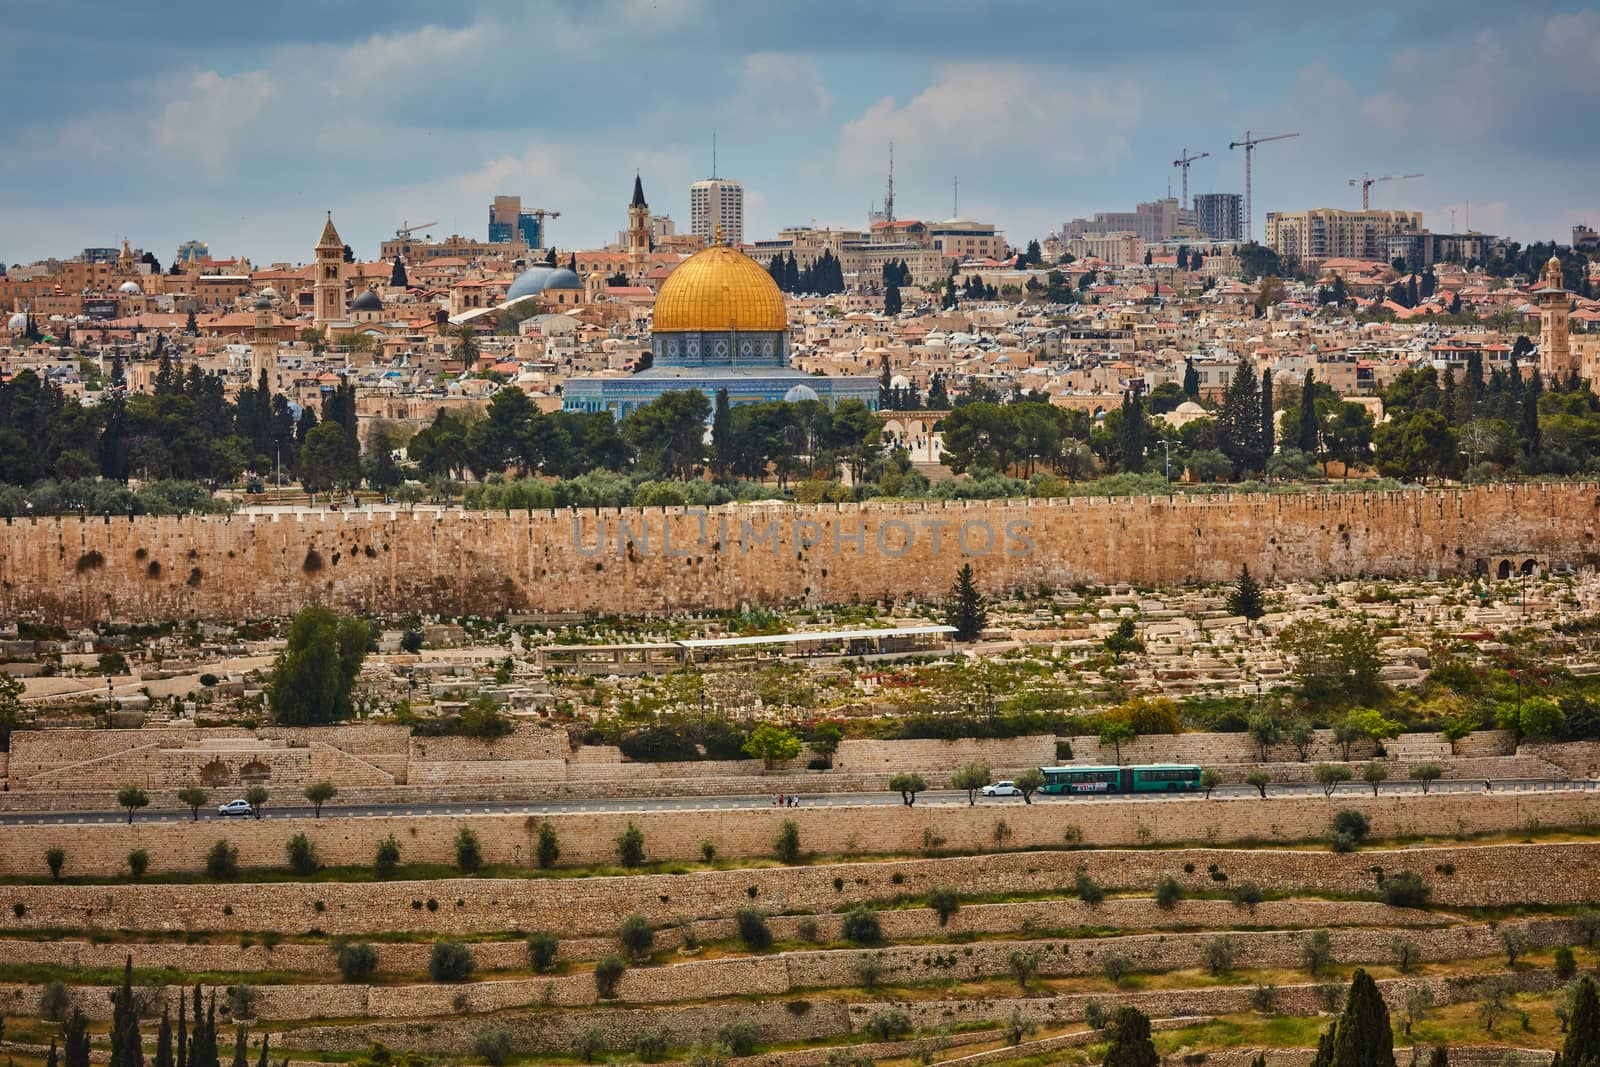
x=241 y=130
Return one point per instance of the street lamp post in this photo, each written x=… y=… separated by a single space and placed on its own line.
x=1166 y=452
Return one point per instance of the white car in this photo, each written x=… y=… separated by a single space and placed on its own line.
x=236 y=807
x=1002 y=789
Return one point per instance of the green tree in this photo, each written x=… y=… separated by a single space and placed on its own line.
x=1209 y=780
x=256 y=797
x=1029 y=782
x=630 y=846
x=319 y=793
x=722 y=443
x=131 y=798
x=1239 y=422
x=327 y=460
x=771 y=744
x=1259 y=781
x=75 y=1041
x=194 y=798
x=826 y=737
x=966 y=611
x=127 y=1049
x=1130 y=1044
x=1266 y=730
x=669 y=432
x=387 y=859
x=1332 y=664
x=356 y=961
x=548 y=849
x=1122 y=640
x=163 y=1056
x=636 y=936
x=450 y=961
x=787 y=844
x=543 y=949
x=908 y=784
x=315 y=674
x=1114 y=733
x=1374 y=774
x=469 y=853
x=1306 y=431
x=1582 y=1047
x=1426 y=774
x=302 y=855
x=945 y=902
x=1246 y=598
x=1330 y=775
x=971 y=777
x=1360 y=1036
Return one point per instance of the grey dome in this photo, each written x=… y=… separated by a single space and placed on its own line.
x=367 y=301
x=562 y=278
x=530 y=282
x=798 y=393
x=263 y=302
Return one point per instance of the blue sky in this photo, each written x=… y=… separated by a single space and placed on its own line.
x=240 y=124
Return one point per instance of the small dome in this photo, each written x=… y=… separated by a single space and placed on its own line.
x=367 y=301
x=798 y=393
x=530 y=282
x=19 y=321
x=263 y=302
x=899 y=381
x=562 y=278
x=129 y=288
x=269 y=292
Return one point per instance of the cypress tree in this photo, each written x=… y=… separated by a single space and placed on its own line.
x=127 y=1049
x=1133 y=427
x=261 y=1061
x=241 y=1046
x=1130 y=1040
x=891 y=300
x=164 y=1040
x=1360 y=1036
x=75 y=1052
x=183 y=1032
x=1239 y=422
x=1268 y=430
x=1191 y=379
x=397 y=276
x=53 y=1059
x=1531 y=442
x=1583 y=1030
x=722 y=436
x=1306 y=435
x=966 y=612
x=1441 y=1057
x=1246 y=599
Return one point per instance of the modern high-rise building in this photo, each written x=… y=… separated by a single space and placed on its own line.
x=714 y=203
x=1155 y=221
x=508 y=223
x=1220 y=216
x=1329 y=233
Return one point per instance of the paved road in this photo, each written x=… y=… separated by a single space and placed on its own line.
x=934 y=798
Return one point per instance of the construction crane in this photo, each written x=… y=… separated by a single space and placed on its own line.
x=406 y=230
x=1182 y=163
x=1366 y=181
x=541 y=214
x=1249 y=145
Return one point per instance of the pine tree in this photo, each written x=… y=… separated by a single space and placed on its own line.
x=164 y=1039
x=1239 y=422
x=1247 y=599
x=127 y=1048
x=1130 y=1044
x=1268 y=430
x=1306 y=435
x=966 y=611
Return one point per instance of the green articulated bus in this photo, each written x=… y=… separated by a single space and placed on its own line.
x=1148 y=778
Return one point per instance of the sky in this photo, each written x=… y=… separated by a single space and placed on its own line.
x=240 y=125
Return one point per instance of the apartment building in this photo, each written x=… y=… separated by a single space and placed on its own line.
x=1329 y=233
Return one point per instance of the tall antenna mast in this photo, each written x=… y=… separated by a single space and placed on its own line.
x=713 y=153
x=955 y=197
x=888 y=199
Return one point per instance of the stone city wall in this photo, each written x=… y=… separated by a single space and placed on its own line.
x=1485 y=875
x=72 y=571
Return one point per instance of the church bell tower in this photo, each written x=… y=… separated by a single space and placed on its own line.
x=1556 y=361
x=638 y=231
x=328 y=281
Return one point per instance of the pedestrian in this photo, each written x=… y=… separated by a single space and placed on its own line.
x=1487 y=788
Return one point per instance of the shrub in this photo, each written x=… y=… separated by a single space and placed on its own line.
x=1088 y=889
x=302 y=855
x=1246 y=894
x=1405 y=889
x=708 y=851
x=548 y=849
x=608 y=971
x=753 y=929
x=388 y=857
x=1566 y=965
x=630 y=846
x=1317 y=952
x=637 y=936
x=787 y=844
x=1405 y=952
x=222 y=861
x=1514 y=940
x=1263 y=998
x=651 y=1046
x=1168 y=892
x=869 y=968
x=807 y=929
x=1220 y=955
x=469 y=854
x=493 y=1043
x=450 y=962
x=138 y=862
x=1341 y=842
x=945 y=902
x=888 y=1024
x=55 y=859
x=242 y=1001
x=1095 y=1015
x=1023 y=966
x=357 y=960
x=1115 y=966
x=739 y=1037
x=542 y=951
x=1017 y=1028
x=1352 y=822
x=861 y=926
x=589 y=1043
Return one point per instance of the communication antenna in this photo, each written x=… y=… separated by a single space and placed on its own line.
x=888 y=199
x=955 y=197
x=713 y=153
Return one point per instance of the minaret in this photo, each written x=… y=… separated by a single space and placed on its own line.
x=1555 y=343
x=638 y=230
x=328 y=284
x=263 y=345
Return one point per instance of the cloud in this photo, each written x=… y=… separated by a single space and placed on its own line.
x=205 y=120
x=997 y=113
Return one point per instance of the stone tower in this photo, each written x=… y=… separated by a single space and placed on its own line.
x=638 y=231
x=263 y=345
x=328 y=281
x=1556 y=360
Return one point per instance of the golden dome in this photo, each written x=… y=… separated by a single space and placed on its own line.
x=720 y=288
